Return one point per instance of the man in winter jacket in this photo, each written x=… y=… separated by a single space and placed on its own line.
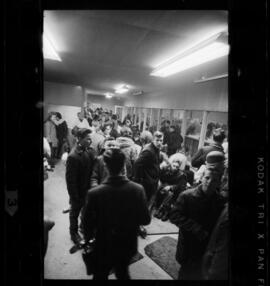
x=146 y=168
x=195 y=213
x=113 y=213
x=174 y=141
x=100 y=172
x=199 y=158
x=79 y=168
x=61 y=132
x=215 y=263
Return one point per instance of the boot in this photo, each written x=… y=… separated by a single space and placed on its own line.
x=142 y=232
x=76 y=238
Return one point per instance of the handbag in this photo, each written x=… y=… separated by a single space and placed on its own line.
x=88 y=255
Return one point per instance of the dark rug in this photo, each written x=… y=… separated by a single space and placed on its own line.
x=162 y=252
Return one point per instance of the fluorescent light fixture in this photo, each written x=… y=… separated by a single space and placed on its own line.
x=48 y=49
x=203 y=79
x=206 y=51
x=122 y=89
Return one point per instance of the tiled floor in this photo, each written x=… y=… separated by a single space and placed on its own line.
x=60 y=264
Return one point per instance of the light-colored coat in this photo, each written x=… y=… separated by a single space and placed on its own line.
x=50 y=133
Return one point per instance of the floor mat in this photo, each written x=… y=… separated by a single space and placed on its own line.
x=138 y=256
x=162 y=252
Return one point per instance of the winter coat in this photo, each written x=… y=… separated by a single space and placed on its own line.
x=100 y=172
x=195 y=214
x=146 y=168
x=166 y=133
x=50 y=133
x=199 y=158
x=175 y=179
x=97 y=139
x=128 y=147
x=216 y=258
x=62 y=131
x=79 y=167
x=113 y=213
x=174 y=142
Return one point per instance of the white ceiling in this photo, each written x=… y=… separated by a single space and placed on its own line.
x=101 y=49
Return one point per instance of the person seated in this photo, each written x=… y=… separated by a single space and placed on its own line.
x=173 y=181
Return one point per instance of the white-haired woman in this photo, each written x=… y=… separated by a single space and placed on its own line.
x=173 y=181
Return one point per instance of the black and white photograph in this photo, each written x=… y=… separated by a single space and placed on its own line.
x=136 y=144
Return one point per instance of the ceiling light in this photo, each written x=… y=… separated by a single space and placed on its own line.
x=206 y=51
x=48 y=49
x=108 y=95
x=122 y=89
x=203 y=79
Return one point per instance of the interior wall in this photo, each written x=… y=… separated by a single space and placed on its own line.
x=108 y=103
x=62 y=95
x=210 y=95
x=65 y=97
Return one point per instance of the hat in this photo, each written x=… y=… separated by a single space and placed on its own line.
x=215 y=160
x=215 y=157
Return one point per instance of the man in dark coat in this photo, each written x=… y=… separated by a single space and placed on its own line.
x=174 y=141
x=100 y=172
x=215 y=263
x=61 y=133
x=195 y=213
x=165 y=129
x=146 y=170
x=79 y=168
x=146 y=167
x=199 y=158
x=113 y=213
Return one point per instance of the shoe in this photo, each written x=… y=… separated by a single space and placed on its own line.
x=64 y=211
x=48 y=224
x=142 y=232
x=76 y=238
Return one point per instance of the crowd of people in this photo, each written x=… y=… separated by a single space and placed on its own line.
x=119 y=176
